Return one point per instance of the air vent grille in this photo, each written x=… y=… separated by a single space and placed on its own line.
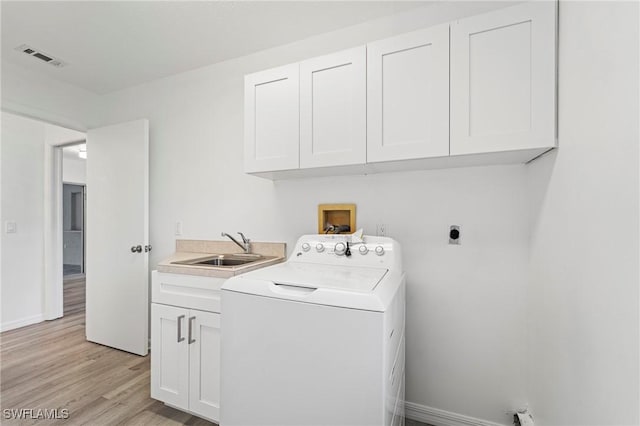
x=45 y=57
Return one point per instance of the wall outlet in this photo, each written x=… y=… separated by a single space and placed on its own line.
x=179 y=227
x=382 y=230
x=10 y=227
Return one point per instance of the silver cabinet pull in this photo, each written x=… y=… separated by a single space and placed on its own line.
x=136 y=249
x=180 y=337
x=191 y=319
x=147 y=248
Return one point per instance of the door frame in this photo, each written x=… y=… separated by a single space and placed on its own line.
x=53 y=236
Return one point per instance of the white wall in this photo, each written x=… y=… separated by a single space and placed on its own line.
x=583 y=294
x=74 y=170
x=35 y=95
x=466 y=305
x=23 y=202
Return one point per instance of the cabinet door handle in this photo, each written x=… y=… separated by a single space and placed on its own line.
x=191 y=330
x=180 y=338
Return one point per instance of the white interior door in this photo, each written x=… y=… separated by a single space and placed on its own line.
x=117 y=262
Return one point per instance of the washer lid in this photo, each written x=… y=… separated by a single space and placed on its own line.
x=311 y=275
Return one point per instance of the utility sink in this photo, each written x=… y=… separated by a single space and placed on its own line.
x=224 y=260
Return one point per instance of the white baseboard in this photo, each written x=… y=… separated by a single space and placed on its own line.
x=436 y=417
x=10 y=325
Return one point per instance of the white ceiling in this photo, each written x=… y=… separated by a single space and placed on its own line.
x=111 y=45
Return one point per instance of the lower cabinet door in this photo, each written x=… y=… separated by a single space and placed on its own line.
x=204 y=393
x=170 y=355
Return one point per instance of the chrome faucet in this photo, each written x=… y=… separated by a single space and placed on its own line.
x=245 y=245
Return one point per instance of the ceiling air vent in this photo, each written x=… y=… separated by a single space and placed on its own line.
x=41 y=55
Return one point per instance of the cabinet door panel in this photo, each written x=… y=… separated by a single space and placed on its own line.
x=272 y=119
x=204 y=392
x=169 y=357
x=333 y=109
x=408 y=96
x=503 y=75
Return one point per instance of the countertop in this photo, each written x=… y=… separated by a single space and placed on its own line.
x=187 y=250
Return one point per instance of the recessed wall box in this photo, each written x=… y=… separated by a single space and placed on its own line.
x=336 y=218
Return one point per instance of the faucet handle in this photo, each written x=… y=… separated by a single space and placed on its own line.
x=246 y=240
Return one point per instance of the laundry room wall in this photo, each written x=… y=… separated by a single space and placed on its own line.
x=466 y=304
x=583 y=297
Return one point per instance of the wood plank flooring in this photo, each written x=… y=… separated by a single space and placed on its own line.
x=50 y=366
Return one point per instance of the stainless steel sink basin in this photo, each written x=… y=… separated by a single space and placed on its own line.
x=224 y=260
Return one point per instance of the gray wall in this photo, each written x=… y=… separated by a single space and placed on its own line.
x=73 y=224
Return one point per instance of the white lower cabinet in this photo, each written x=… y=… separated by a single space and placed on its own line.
x=169 y=355
x=185 y=357
x=204 y=365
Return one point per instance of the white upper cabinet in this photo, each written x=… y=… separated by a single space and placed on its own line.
x=408 y=96
x=503 y=80
x=333 y=109
x=430 y=98
x=271 y=120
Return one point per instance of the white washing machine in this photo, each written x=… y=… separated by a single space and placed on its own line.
x=318 y=339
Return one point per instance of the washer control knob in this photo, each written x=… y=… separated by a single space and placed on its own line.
x=319 y=247
x=363 y=250
x=306 y=247
x=340 y=248
x=379 y=250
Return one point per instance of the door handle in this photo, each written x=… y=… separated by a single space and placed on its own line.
x=147 y=248
x=191 y=319
x=180 y=337
x=136 y=249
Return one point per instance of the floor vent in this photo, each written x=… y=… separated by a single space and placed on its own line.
x=45 y=57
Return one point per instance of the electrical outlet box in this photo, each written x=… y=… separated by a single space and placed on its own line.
x=178 y=228
x=454 y=235
x=10 y=227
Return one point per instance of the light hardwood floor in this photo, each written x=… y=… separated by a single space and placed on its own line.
x=51 y=366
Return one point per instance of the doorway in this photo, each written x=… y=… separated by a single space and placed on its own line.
x=74 y=221
x=73 y=235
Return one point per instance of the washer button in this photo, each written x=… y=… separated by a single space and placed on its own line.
x=306 y=247
x=340 y=249
x=379 y=250
x=363 y=250
x=319 y=247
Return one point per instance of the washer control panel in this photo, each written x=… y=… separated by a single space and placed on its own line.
x=338 y=249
